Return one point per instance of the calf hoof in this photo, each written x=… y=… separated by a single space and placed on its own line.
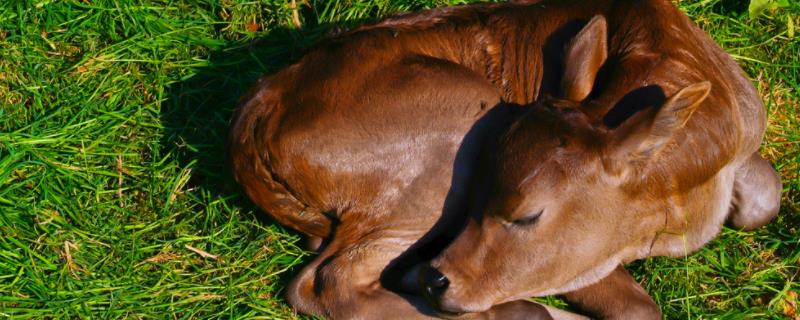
x=313 y=243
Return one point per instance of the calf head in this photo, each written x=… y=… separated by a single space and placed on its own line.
x=560 y=213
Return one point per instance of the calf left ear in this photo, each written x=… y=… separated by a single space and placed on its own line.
x=583 y=57
x=645 y=133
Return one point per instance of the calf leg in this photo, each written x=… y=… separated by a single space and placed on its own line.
x=617 y=296
x=522 y=310
x=345 y=284
x=559 y=314
x=756 y=194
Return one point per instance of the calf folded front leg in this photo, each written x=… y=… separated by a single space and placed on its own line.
x=520 y=309
x=756 y=194
x=617 y=296
x=345 y=284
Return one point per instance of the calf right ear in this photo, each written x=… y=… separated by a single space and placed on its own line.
x=583 y=57
x=646 y=133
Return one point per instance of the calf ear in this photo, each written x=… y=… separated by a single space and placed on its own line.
x=645 y=133
x=584 y=56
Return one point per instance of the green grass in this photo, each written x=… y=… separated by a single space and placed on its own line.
x=113 y=116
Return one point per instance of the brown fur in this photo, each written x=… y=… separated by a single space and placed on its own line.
x=359 y=143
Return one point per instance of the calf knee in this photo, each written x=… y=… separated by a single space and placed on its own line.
x=757 y=192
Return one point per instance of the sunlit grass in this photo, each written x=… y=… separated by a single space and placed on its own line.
x=115 y=200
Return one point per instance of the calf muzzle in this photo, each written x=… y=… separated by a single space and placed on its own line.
x=432 y=283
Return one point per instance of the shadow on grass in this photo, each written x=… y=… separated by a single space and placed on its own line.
x=196 y=115
x=197 y=110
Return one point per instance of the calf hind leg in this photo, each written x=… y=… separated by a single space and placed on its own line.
x=756 y=194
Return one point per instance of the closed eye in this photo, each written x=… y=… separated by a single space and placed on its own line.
x=529 y=220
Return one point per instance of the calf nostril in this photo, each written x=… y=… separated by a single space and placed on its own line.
x=437 y=280
x=433 y=282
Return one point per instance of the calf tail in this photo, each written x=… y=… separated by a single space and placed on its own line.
x=250 y=161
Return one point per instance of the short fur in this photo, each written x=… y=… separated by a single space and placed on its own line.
x=369 y=140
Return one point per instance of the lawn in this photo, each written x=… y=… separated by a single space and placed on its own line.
x=115 y=200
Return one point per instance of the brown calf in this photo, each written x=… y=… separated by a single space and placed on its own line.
x=369 y=142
